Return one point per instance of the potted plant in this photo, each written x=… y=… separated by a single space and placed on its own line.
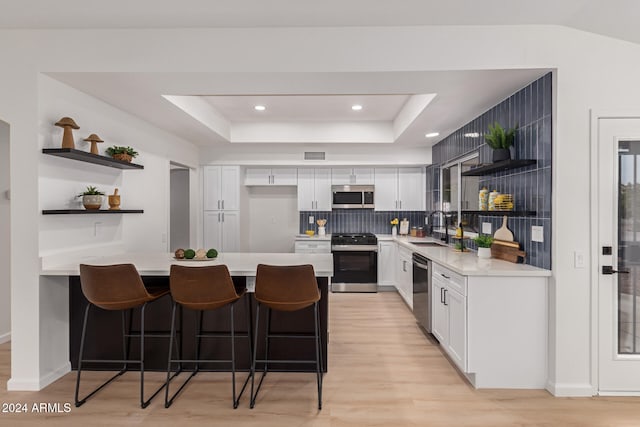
x=484 y=242
x=122 y=153
x=500 y=140
x=91 y=198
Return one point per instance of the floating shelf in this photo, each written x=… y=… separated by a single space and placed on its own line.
x=92 y=211
x=499 y=167
x=501 y=213
x=83 y=156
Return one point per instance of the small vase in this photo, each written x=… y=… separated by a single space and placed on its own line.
x=92 y=202
x=321 y=231
x=501 y=154
x=394 y=231
x=484 y=253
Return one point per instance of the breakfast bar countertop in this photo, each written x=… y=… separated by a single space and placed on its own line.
x=159 y=264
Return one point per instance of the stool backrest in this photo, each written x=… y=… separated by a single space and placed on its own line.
x=198 y=285
x=293 y=286
x=113 y=287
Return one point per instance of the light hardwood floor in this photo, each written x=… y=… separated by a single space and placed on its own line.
x=382 y=372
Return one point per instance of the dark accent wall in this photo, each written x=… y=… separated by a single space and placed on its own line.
x=530 y=109
x=359 y=220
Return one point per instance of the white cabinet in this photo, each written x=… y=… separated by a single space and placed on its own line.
x=449 y=315
x=221 y=188
x=271 y=176
x=387 y=259
x=314 y=189
x=312 y=246
x=404 y=275
x=352 y=176
x=399 y=189
x=222 y=230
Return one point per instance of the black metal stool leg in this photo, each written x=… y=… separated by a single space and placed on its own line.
x=143 y=404
x=267 y=338
x=233 y=359
x=84 y=330
x=318 y=355
x=252 y=401
x=171 y=339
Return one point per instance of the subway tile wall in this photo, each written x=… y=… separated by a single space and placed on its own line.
x=358 y=220
x=530 y=110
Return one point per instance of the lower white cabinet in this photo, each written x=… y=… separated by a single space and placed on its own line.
x=222 y=230
x=449 y=315
x=312 y=247
x=404 y=275
x=387 y=260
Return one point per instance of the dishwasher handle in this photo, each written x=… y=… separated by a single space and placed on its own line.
x=420 y=265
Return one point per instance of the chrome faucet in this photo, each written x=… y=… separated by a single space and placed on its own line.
x=446 y=225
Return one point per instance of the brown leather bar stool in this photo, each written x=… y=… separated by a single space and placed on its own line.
x=117 y=288
x=204 y=289
x=286 y=288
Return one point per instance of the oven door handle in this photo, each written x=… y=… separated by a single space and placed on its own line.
x=354 y=248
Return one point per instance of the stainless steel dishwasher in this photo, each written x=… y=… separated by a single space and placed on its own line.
x=422 y=291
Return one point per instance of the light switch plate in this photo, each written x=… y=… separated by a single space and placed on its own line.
x=311 y=220
x=578 y=259
x=486 y=227
x=537 y=233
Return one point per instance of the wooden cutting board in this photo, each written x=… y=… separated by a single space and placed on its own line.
x=508 y=251
x=503 y=232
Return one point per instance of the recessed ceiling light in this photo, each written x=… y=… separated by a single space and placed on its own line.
x=472 y=135
x=356 y=107
x=259 y=108
x=432 y=134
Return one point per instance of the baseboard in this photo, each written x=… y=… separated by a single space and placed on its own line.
x=37 y=385
x=570 y=390
x=386 y=288
x=5 y=338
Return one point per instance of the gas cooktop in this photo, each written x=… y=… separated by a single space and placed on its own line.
x=354 y=239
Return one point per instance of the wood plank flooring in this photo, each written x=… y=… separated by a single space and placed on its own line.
x=382 y=372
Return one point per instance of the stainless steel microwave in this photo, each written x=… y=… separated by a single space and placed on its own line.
x=352 y=196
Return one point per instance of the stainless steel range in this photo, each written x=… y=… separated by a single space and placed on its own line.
x=355 y=262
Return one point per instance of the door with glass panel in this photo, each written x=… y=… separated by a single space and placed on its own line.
x=619 y=255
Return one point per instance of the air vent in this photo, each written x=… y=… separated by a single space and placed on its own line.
x=314 y=155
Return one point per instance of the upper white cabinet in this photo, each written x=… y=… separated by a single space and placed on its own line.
x=314 y=189
x=399 y=189
x=352 y=176
x=271 y=176
x=221 y=188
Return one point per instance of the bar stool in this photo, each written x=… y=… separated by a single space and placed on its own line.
x=117 y=288
x=204 y=289
x=286 y=288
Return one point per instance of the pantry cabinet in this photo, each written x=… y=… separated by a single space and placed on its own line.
x=314 y=189
x=221 y=188
x=222 y=230
x=399 y=189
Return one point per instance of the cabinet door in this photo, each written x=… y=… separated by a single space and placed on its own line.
x=386 y=182
x=387 y=259
x=363 y=176
x=211 y=183
x=457 y=345
x=342 y=176
x=257 y=176
x=230 y=223
x=212 y=230
x=407 y=281
x=322 y=189
x=411 y=193
x=230 y=188
x=306 y=190
x=439 y=313
x=284 y=176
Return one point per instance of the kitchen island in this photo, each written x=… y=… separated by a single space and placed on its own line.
x=104 y=338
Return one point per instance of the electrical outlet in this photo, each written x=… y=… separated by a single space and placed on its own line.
x=97 y=229
x=537 y=233
x=578 y=259
x=486 y=227
x=311 y=219
x=426 y=220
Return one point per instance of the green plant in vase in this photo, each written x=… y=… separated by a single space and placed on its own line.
x=122 y=153
x=91 y=198
x=500 y=140
x=484 y=242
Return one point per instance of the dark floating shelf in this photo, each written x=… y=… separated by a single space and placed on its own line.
x=93 y=211
x=501 y=213
x=83 y=156
x=499 y=167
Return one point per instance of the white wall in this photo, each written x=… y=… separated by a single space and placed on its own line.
x=5 y=231
x=273 y=218
x=592 y=72
x=179 y=234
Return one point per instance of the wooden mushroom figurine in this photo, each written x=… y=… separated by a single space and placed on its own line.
x=67 y=124
x=94 y=140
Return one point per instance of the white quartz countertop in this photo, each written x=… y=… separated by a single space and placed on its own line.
x=465 y=263
x=159 y=264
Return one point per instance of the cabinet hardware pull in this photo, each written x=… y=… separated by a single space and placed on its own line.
x=446 y=277
x=218 y=216
x=445 y=297
x=441 y=298
x=607 y=269
x=218 y=204
x=222 y=216
x=223 y=205
x=400 y=204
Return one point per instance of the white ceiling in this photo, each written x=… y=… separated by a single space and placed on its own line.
x=226 y=100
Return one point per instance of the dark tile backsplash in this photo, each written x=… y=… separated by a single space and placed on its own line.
x=530 y=110
x=358 y=220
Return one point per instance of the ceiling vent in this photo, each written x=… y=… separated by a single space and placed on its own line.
x=314 y=155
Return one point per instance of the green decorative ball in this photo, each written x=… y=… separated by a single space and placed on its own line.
x=212 y=253
x=189 y=254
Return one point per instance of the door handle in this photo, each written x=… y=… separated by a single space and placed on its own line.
x=400 y=204
x=218 y=216
x=222 y=216
x=218 y=204
x=445 y=297
x=223 y=205
x=608 y=269
x=441 y=297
